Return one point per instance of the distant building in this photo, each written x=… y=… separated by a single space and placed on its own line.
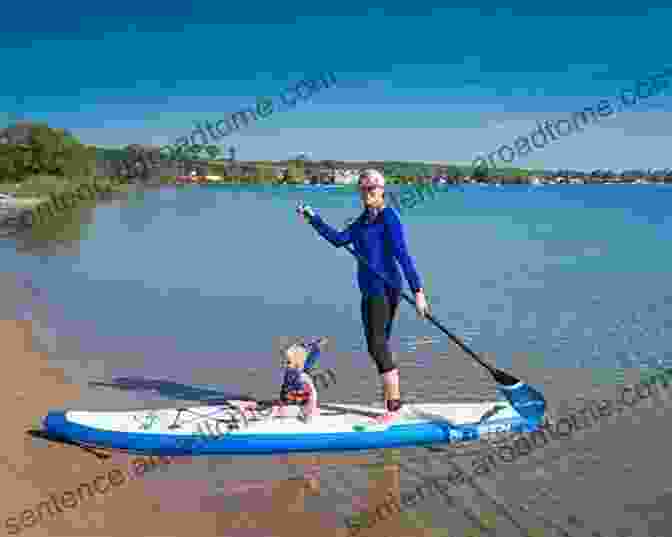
x=345 y=177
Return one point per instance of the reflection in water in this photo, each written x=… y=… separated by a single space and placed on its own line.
x=400 y=514
x=388 y=510
x=280 y=507
x=60 y=232
x=269 y=507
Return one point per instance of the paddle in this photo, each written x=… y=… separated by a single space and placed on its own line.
x=527 y=401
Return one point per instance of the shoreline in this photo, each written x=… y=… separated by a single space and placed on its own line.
x=433 y=181
x=14 y=217
x=33 y=469
x=34 y=198
x=40 y=470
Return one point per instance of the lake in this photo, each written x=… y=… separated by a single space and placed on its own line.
x=199 y=285
x=194 y=276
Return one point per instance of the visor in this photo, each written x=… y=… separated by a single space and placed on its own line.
x=371 y=179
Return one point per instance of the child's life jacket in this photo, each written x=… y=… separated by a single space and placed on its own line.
x=298 y=386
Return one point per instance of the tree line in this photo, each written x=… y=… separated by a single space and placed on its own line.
x=29 y=149
x=37 y=149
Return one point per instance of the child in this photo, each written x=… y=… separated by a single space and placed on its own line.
x=300 y=359
x=298 y=388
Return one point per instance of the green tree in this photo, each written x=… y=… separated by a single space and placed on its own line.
x=47 y=151
x=47 y=154
x=15 y=162
x=213 y=151
x=296 y=171
x=193 y=152
x=134 y=162
x=264 y=172
x=454 y=173
x=480 y=172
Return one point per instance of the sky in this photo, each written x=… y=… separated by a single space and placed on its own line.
x=414 y=83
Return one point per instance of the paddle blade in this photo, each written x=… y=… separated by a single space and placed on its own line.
x=527 y=401
x=501 y=377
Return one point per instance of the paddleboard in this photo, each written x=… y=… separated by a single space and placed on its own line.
x=226 y=429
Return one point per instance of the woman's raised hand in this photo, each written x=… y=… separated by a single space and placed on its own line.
x=305 y=210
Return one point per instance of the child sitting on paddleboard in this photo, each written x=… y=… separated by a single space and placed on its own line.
x=298 y=388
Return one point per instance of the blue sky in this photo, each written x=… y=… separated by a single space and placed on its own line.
x=414 y=82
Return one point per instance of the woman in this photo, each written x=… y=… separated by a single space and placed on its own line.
x=377 y=236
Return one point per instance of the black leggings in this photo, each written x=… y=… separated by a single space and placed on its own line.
x=377 y=315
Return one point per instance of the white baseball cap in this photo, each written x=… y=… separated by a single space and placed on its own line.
x=371 y=178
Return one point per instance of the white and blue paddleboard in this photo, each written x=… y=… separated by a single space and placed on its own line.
x=223 y=429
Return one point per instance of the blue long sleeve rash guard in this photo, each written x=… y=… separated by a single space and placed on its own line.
x=381 y=243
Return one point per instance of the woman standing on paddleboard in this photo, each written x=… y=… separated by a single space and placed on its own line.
x=377 y=235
